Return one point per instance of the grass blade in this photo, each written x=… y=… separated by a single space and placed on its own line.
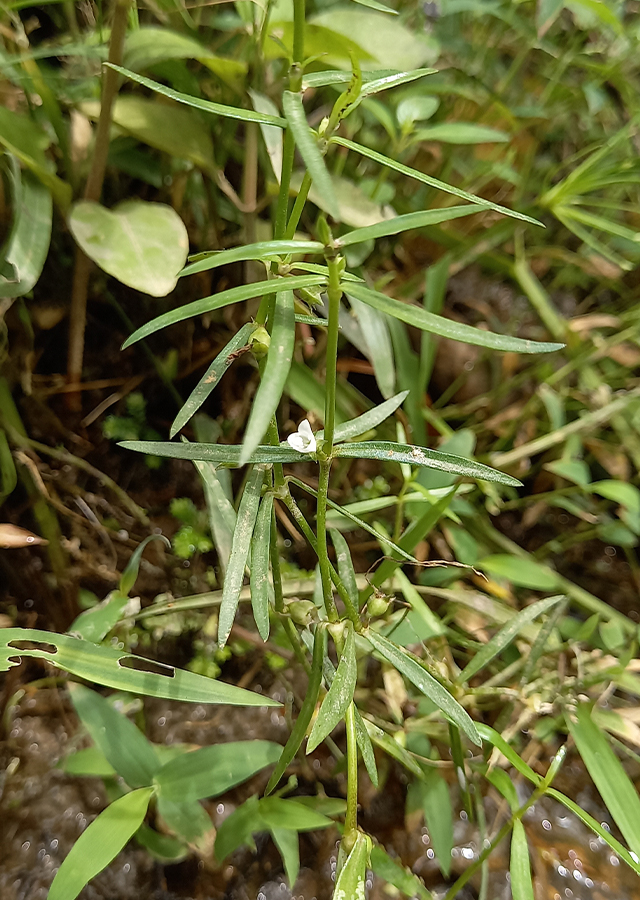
x=218 y=109
x=519 y=868
x=613 y=783
x=308 y=147
x=211 y=377
x=340 y=695
x=456 y=331
x=260 y=567
x=247 y=512
x=417 y=675
x=261 y=250
x=506 y=636
x=224 y=298
x=274 y=375
x=427 y=179
x=100 y=843
x=400 y=224
x=389 y=451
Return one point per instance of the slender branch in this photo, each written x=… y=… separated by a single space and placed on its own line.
x=351 y=816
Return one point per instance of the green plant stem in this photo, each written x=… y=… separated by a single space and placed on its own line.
x=321 y=541
x=351 y=815
x=289 y=627
x=299 y=25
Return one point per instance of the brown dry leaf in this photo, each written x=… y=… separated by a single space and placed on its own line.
x=582 y=324
x=13 y=536
x=610 y=457
x=625 y=354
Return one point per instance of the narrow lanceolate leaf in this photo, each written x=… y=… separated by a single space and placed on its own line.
x=119 y=670
x=274 y=375
x=431 y=688
x=211 y=377
x=245 y=522
x=217 y=454
x=350 y=883
x=307 y=144
x=224 y=298
x=261 y=250
x=519 y=868
x=121 y=742
x=611 y=780
x=210 y=771
x=455 y=331
x=345 y=564
x=390 y=81
x=100 y=844
x=366 y=748
x=506 y=636
x=340 y=695
x=306 y=710
x=371 y=419
x=231 y=112
x=260 y=567
x=421 y=456
x=405 y=223
x=427 y=179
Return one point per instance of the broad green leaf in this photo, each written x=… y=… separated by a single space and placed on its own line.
x=519 y=867
x=261 y=250
x=619 y=491
x=22 y=137
x=119 y=670
x=340 y=695
x=280 y=812
x=172 y=129
x=371 y=419
x=388 y=451
x=271 y=135
x=30 y=236
x=462 y=133
x=435 y=799
x=186 y=818
x=143 y=245
x=147 y=46
x=307 y=144
x=88 y=762
x=387 y=43
x=289 y=849
x=378 y=349
x=210 y=771
x=415 y=108
x=238 y=828
x=359 y=522
x=399 y=224
x=247 y=512
x=217 y=454
x=95 y=623
x=274 y=375
x=224 y=298
x=345 y=565
x=260 y=567
x=521 y=572
x=456 y=331
x=162 y=847
x=380 y=7
x=350 y=883
x=431 y=688
x=506 y=636
x=403 y=879
x=100 y=843
x=211 y=377
x=306 y=710
x=611 y=780
x=427 y=179
x=231 y=112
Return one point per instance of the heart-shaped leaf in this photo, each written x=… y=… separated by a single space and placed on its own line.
x=143 y=245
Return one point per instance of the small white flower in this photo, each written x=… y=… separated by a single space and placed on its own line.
x=303 y=440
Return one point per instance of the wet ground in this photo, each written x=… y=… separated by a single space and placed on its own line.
x=43 y=811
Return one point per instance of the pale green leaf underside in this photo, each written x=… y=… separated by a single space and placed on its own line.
x=114 y=668
x=230 y=112
x=224 y=298
x=447 y=328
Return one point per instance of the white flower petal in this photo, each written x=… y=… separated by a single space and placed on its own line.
x=295 y=440
x=303 y=440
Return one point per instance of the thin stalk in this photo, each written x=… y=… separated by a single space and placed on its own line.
x=298 y=207
x=321 y=541
x=289 y=627
x=351 y=815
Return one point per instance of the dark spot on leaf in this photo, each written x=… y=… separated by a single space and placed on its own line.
x=146 y=665
x=33 y=645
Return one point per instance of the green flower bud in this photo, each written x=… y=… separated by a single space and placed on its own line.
x=303 y=612
x=260 y=341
